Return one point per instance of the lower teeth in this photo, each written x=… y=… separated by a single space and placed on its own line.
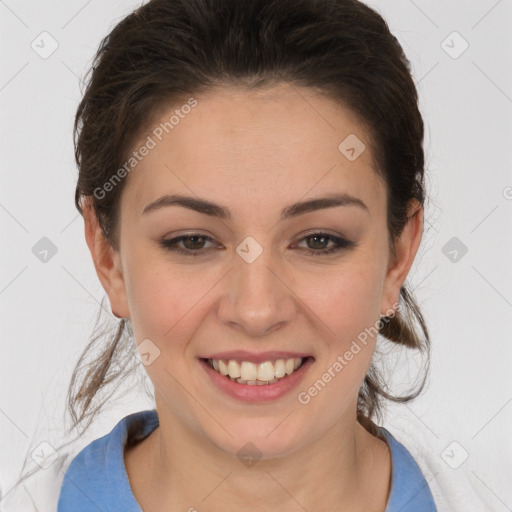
x=254 y=382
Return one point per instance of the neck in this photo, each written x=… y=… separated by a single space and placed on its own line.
x=180 y=469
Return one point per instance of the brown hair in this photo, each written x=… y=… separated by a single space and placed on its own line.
x=168 y=50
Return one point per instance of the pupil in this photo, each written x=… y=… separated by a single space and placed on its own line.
x=192 y=238
x=316 y=237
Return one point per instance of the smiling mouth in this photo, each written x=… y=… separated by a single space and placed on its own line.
x=256 y=374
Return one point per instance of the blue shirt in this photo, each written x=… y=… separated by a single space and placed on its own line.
x=96 y=480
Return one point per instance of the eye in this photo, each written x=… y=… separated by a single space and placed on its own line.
x=194 y=244
x=320 y=239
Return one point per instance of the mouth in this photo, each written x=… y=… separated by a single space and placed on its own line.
x=249 y=373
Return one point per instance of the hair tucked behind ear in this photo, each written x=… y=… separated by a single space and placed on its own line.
x=169 y=50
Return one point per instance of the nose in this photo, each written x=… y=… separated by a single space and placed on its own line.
x=257 y=298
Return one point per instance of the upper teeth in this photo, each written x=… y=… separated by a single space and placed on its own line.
x=249 y=371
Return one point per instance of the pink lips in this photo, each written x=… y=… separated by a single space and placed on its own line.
x=253 y=357
x=254 y=393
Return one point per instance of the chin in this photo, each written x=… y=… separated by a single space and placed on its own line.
x=262 y=438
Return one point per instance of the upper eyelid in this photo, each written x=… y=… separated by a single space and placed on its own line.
x=334 y=238
x=317 y=231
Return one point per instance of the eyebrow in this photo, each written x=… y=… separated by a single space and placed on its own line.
x=214 y=210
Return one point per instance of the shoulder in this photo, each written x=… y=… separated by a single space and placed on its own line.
x=453 y=490
x=97 y=474
x=409 y=489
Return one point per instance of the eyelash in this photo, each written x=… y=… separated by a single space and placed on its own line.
x=341 y=243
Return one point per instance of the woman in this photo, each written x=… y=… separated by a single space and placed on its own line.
x=251 y=181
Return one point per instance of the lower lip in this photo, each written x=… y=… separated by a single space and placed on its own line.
x=255 y=393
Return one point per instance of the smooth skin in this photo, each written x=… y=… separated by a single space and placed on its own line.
x=255 y=153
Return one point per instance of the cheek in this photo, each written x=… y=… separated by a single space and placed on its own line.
x=344 y=306
x=167 y=303
x=164 y=297
x=158 y=298
x=345 y=300
x=157 y=303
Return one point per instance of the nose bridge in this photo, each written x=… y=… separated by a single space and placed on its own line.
x=257 y=300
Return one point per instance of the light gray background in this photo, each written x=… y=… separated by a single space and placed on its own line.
x=48 y=308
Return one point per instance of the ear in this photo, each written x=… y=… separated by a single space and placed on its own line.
x=107 y=262
x=406 y=247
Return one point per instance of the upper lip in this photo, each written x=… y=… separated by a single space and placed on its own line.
x=253 y=357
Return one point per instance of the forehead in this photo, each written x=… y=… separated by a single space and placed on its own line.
x=274 y=145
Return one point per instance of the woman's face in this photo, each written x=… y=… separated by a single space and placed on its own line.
x=255 y=279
